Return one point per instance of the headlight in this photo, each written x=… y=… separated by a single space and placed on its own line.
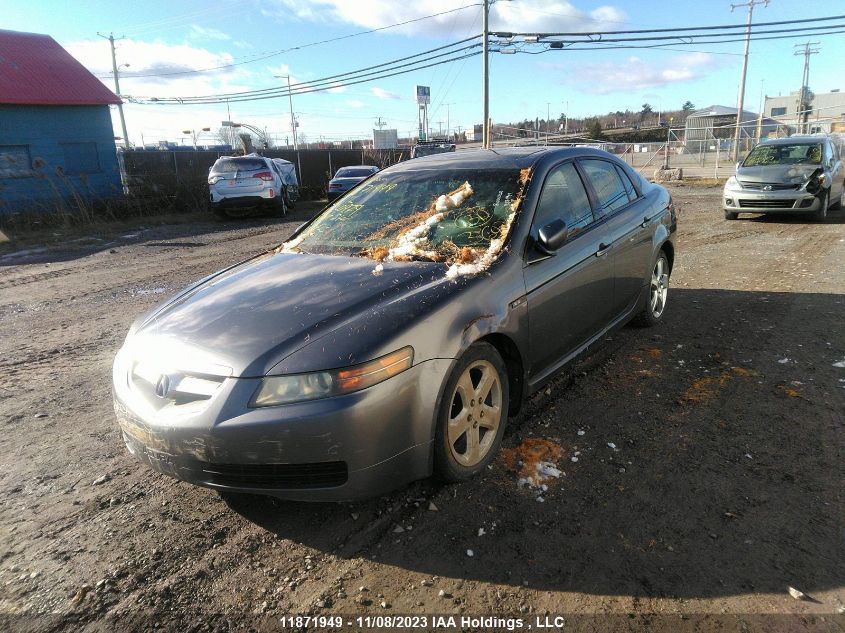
x=213 y=180
x=276 y=390
x=733 y=184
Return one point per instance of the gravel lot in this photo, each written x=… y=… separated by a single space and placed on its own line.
x=703 y=461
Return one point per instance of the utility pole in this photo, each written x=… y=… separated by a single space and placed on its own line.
x=292 y=118
x=741 y=101
x=448 y=121
x=804 y=101
x=486 y=72
x=548 y=115
x=110 y=38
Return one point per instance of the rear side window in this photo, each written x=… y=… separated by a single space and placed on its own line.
x=626 y=183
x=564 y=198
x=607 y=185
x=231 y=165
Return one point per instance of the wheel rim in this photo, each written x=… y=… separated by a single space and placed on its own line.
x=475 y=413
x=659 y=287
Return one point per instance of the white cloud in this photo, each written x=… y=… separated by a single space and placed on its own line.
x=198 y=32
x=635 y=73
x=522 y=15
x=381 y=93
x=159 y=122
x=355 y=103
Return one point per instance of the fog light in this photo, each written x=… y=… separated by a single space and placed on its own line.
x=729 y=202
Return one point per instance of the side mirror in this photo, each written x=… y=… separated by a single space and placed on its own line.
x=738 y=165
x=552 y=236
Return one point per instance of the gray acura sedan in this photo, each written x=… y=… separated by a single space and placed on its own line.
x=391 y=336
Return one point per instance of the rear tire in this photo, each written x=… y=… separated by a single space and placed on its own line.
x=731 y=215
x=472 y=415
x=658 y=294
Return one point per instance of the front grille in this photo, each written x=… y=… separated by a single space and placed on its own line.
x=772 y=186
x=766 y=204
x=317 y=475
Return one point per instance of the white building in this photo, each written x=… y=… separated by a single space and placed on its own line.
x=825 y=109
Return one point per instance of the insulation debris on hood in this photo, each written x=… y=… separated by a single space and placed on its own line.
x=291 y=245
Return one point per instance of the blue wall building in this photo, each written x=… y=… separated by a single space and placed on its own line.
x=56 y=138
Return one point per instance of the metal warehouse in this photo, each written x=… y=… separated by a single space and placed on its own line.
x=719 y=122
x=56 y=137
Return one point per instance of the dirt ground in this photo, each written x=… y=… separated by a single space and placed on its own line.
x=702 y=459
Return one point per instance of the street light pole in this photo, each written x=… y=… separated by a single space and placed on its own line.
x=486 y=72
x=741 y=101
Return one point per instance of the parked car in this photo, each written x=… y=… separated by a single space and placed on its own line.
x=394 y=334
x=428 y=149
x=797 y=174
x=347 y=177
x=238 y=185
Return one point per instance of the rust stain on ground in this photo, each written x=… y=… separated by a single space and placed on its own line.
x=655 y=353
x=525 y=459
x=704 y=389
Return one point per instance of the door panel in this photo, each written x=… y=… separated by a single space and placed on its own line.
x=626 y=213
x=569 y=300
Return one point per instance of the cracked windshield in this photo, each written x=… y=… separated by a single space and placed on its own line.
x=422 y=215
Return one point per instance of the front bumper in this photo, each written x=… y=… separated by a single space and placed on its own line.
x=755 y=201
x=341 y=448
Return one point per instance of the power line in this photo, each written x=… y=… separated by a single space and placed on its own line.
x=332 y=79
x=837 y=28
x=249 y=97
x=667 y=30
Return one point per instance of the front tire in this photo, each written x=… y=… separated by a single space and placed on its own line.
x=472 y=415
x=658 y=293
x=821 y=213
x=731 y=215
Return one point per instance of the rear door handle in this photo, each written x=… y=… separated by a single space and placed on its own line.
x=603 y=248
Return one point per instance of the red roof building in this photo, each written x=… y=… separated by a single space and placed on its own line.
x=35 y=70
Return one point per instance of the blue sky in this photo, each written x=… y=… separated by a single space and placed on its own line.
x=166 y=36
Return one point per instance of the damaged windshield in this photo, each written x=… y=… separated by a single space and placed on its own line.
x=797 y=154
x=454 y=216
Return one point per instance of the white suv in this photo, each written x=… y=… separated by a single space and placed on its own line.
x=237 y=185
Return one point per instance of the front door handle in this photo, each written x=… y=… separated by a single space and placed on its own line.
x=603 y=248
x=646 y=220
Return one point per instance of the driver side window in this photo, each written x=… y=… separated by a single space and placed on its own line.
x=564 y=198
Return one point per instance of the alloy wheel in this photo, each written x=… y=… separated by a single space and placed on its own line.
x=475 y=413
x=659 y=287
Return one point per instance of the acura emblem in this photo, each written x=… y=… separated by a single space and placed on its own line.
x=767 y=188
x=163 y=386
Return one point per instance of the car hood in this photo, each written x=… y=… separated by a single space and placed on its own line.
x=249 y=317
x=786 y=174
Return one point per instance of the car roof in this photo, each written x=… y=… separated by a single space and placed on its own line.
x=358 y=167
x=496 y=158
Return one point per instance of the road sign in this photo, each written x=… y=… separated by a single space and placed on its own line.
x=423 y=95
